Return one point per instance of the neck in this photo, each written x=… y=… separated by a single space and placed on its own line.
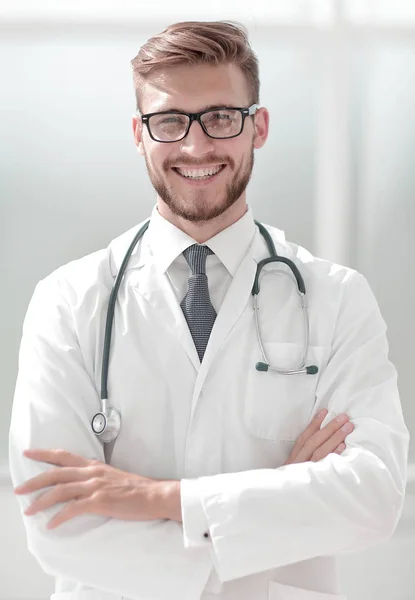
x=201 y=231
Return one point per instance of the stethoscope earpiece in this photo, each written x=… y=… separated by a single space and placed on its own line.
x=260 y=366
x=311 y=370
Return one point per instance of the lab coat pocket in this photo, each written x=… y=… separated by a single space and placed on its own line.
x=279 y=407
x=279 y=591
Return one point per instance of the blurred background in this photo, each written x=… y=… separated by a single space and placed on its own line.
x=337 y=174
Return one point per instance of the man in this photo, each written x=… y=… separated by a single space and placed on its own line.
x=225 y=481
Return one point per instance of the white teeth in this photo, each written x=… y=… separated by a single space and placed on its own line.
x=199 y=172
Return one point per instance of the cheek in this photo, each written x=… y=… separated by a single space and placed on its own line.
x=238 y=149
x=156 y=158
x=162 y=156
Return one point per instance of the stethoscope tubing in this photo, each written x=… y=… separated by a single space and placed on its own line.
x=111 y=309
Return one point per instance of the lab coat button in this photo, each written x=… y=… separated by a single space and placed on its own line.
x=206 y=535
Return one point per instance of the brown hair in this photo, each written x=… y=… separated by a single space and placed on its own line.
x=193 y=42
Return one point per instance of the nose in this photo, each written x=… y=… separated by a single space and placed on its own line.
x=197 y=143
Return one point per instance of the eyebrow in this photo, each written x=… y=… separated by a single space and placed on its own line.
x=206 y=107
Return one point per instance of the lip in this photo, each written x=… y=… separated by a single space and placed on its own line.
x=200 y=182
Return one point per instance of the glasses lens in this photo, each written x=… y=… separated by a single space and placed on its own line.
x=223 y=123
x=168 y=127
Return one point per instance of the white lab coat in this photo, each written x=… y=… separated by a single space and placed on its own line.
x=221 y=427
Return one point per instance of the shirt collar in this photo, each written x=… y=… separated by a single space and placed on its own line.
x=167 y=241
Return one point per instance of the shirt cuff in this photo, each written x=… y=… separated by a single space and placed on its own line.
x=195 y=525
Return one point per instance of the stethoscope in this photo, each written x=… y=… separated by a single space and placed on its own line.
x=107 y=423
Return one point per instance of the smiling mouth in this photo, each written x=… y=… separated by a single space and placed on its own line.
x=202 y=178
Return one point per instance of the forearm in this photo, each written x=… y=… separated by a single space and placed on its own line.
x=167 y=500
x=123 y=557
x=265 y=519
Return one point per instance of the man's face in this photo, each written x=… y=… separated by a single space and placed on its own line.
x=191 y=89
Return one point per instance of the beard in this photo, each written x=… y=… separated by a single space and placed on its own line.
x=195 y=205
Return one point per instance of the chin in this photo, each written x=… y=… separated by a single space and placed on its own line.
x=203 y=213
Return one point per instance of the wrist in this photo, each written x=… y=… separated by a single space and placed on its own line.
x=168 y=500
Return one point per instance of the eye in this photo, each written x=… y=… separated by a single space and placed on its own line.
x=221 y=116
x=167 y=120
x=170 y=120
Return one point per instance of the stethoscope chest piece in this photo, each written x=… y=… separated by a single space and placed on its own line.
x=107 y=426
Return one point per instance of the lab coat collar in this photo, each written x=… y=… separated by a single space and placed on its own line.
x=163 y=242
x=167 y=241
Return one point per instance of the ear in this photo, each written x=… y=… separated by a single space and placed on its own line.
x=138 y=132
x=261 y=127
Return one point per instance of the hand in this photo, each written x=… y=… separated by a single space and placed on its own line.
x=90 y=486
x=315 y=444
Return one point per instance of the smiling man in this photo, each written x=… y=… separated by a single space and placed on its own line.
x=201 y=188
x=217 y=466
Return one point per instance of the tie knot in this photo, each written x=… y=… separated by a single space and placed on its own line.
x=196 y=258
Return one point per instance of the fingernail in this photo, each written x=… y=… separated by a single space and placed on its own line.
x=322 y=413
x=341 y=418
x=347 y=427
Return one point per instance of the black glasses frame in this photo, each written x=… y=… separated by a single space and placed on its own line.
x=245 y=112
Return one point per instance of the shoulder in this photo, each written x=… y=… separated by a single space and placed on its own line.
x=91 y=274
x=315 y=270
x=335 y=293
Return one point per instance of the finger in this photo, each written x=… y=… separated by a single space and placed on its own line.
x=59 y=493
x=330 y=429
x=312 y=428
x=324 y=434
x=89 y=505
x=56 y=456
x=69 y=511
x=317 y=440
x=333 y=442
x=53 y=477
x=340 y=448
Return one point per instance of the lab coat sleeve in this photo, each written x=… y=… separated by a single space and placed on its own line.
x=264 y=519
x=53 y=403
x=195 y=525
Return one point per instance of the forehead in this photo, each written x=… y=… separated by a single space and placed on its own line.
x=194 y=87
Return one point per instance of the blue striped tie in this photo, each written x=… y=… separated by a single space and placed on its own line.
x=196 y=305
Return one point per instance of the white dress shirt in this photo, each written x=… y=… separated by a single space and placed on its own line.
x=167 y=243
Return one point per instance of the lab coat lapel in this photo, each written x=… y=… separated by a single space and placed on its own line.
x=155 y=287
x=232 y=307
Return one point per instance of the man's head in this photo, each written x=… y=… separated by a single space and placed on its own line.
x=190 y=67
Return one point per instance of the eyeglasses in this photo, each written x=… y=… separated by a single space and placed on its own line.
x=220 y=123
